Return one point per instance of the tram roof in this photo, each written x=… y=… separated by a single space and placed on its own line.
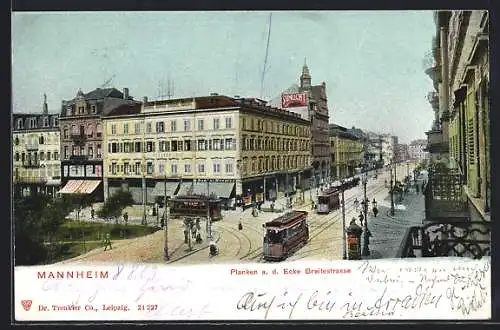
x=285 y=219
x=329 y=191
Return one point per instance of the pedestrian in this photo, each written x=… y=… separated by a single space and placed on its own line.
x=361 y=218
x=356 y=204
x=240 y=226
x=92 y=213
x=125 y=217
x=107 y=242
x=375 y=211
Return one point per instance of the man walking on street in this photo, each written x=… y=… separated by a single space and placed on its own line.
x=92 y=213
x=107 y=242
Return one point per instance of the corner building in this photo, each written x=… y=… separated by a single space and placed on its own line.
x=237 y=149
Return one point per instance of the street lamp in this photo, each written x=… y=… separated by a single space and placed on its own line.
x=392 y=193
x=165 y=221
x=366 y=250
x=344 y=251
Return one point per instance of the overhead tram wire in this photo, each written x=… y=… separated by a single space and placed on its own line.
x=265 y=58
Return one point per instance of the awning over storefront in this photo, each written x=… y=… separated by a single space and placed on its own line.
x=171 y=187
x=220 y=189
x=80 y=187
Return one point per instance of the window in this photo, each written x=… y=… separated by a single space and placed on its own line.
x=137 y=146
x=137 y=129
x=90 y=152
x=126 y=168
x=229 y=144
x=229 y=168
x=82 y=150
x=173 y=126
x=229 y=122
x=113 y=168
x=187 y=126
x=137 y=168
x=69 y=111
x=244 y=123
x=19 y=124
x=187 y=145
x=217 y=144
x=48 y=155
x=126 y=147
x=93 y=108
x=202 y=144
x=99 y=154
x=174 y=145
x=113 y=147
x=150 y=168
x=90 y=131
x=23 y=157
x=201 y=168
x=150 y=146
x=17 y=156
x=148 y=127
x=66 y=156
x=125 y=128
x=216 y=123
x=160 y=127
x=99 y=130
x=41 y=140
x=216 y=168
x=187 y=168
x=161 y=145
x=173 y=168
x=113 y=129
x=45 y=122
x=161 y=168
x=200 y=124
x=81 y=110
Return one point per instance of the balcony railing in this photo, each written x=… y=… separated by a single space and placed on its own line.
x=79 y=138
x=449 y=230
x=32 y=147
x=461 y=239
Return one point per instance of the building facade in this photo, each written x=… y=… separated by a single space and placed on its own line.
x=311 y=103
x=403 y=153
x=35 y=152
x=233 y=148
x=416 y=150
x=347 y=152
x=81 y=134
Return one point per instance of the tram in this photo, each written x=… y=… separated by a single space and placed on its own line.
x=195 y=206
x=285 y=235
x=328 y=200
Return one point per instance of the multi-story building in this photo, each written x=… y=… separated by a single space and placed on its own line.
x=457 y=195
x=82 y=139
x=36 y=163
x=416 y=150
x=402 y=152
x=346 y=152
x=373 y=150
x=310 y=101
x=233 y=148
x=389 y=148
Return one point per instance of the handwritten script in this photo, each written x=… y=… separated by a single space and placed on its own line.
x=434 y=288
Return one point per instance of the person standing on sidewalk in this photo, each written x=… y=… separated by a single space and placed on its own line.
x=92 y=213
x=361 y=217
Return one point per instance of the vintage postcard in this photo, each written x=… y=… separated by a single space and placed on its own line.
x=251 y=165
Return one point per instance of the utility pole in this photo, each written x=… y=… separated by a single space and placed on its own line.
x=366 y=250
x=392 y=193
x=165 y=221
x=209 y=219
x=344 y=251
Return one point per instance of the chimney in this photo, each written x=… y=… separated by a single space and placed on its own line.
x=125 y=93
x=145 y=99
x=45 y=106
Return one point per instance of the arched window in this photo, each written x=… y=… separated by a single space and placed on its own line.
x=90 y=130
x=99 y=130
x=41 y=140
x=74 y=130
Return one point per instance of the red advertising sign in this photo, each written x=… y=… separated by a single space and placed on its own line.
x=294 y=100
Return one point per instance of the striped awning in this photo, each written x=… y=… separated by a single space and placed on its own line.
x=219 y=189
x=171 y=187
x=79 y=187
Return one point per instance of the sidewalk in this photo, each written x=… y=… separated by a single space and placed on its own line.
x=387 y=230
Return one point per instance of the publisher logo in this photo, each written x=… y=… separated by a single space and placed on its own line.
x=26 y=304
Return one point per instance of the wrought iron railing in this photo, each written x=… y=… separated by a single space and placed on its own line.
x=444 y=196
x=461 y=239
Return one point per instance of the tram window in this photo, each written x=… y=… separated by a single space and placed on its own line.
x=274 y=236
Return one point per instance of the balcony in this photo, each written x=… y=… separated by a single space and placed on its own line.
x=434 y=72
x=32 y=147
x=433 y=99
x=448 y=230
x=435 y=142
x=78 y=138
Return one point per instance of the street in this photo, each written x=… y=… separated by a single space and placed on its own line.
x=325 y=231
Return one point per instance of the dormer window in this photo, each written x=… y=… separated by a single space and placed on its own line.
x=19 y=124
x=81 y=110
x=45 y=122
x=56 y=122
x=68 y=111
x=93 y=108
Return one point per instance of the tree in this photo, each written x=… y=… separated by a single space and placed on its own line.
x=76 y=202
x=114 y=205
x=36 y=218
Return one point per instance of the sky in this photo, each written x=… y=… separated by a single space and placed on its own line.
x=371 y=61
